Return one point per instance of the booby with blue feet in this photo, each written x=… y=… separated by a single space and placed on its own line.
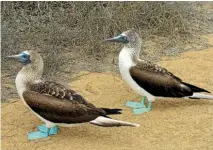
x=149 y=79
x=55 y=104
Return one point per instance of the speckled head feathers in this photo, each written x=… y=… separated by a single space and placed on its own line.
x=36 y=61
x=130 y=38
x=32 y=63
x=34 y=56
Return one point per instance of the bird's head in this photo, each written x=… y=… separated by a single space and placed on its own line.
x=130 y=38
x=32 y=62
x=26 y=57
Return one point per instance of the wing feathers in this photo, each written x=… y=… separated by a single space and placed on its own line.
x=159 y=83
x=54 y=89
x=59 y=104
x=195 y=88
x=61 y=110
x=112 y=111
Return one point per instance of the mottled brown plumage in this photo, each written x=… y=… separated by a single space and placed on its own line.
x=54 y=89
x=153 y=68
x=160 y=82
x=58 y=104
x=61 y=111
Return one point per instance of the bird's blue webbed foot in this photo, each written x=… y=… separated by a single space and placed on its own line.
x=43 y=132
x=136 y=105
x=139 y=108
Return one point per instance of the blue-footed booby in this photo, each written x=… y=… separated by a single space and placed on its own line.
x=148 y=79
x=54 y=103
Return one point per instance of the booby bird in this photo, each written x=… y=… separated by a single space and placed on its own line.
x=149 y=79
x=54 y=103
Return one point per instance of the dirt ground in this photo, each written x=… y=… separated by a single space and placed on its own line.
x=173 y=124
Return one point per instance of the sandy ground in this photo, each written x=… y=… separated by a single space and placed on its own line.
x=173 y=124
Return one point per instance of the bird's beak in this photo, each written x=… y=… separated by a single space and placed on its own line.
x=114 y=39
x=14 y=57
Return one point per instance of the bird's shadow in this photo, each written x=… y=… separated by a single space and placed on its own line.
x=168 y=103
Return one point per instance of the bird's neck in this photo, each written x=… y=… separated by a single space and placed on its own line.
x=132 y=52
x=28 y=74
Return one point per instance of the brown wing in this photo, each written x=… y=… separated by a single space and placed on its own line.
x=58 y=91
x=154 y=68
x=158 y=81
x=61 y=110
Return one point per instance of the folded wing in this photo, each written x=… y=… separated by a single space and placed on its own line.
x=158 y=81
x=58 y=104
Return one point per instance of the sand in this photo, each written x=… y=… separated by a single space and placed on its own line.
x=173 y=124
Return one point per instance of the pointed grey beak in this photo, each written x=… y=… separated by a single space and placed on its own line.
x=114 y=39
x=14 y=57
x=120 y=39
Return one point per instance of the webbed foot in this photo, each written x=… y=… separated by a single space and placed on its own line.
x=43 y=132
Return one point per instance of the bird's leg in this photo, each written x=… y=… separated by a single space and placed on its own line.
x=136 y=105
x=149 y=105
x=50 y=131
x=43 y=132
x=143 y=101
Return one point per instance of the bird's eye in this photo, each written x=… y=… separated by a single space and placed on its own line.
x=25 y=55
x=25 y=58
x=125 y=40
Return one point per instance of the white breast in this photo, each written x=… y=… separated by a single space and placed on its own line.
x=125 y=63
x=20 y=86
